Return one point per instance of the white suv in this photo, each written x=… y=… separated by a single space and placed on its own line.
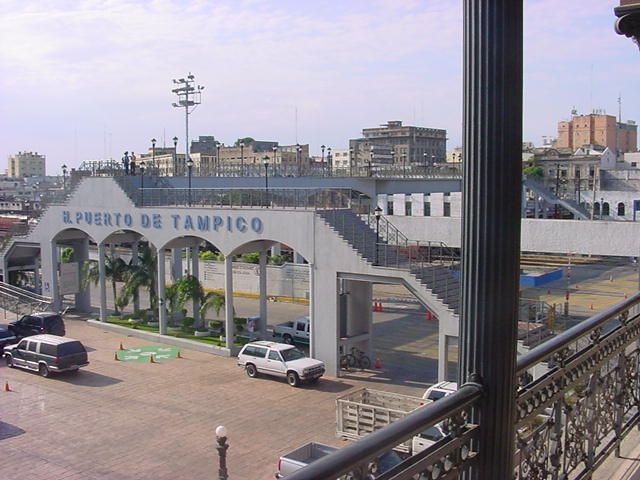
x=280 y=360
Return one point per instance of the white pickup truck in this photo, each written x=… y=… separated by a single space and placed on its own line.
x=306 y=454
x=294 y=332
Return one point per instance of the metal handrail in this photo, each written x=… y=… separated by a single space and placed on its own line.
x=570 y=336
x=388 y=437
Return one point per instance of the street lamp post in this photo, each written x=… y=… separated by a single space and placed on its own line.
x=393 y=160
x=189 y=168
x=153 y=155
x=241 y=159
x=189 y=95
x=404 y=164
x=142 y=165
x=222 y=446
x=175 y=156
x=329 y=159
x=275 y=156
x=322 y=147
x=64 y=178
x=265 y=161
x=377 y=212
x=601 y=208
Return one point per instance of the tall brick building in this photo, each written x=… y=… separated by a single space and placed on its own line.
x=598 y=129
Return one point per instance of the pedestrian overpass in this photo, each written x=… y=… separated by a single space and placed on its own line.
x=346 y=246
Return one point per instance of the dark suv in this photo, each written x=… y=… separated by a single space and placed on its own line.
x=37 y=323
x=46 y=353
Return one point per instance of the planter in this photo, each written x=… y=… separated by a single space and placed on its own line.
x=204 y=333
x=154 y=324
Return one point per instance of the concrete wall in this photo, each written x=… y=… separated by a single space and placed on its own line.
x=539 y=235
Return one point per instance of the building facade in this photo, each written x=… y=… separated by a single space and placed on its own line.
x=598 y=129
x=26 y=164
x=397 y=143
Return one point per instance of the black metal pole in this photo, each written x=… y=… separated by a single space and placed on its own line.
x=266 y=182
x=493 y=35
x=142 y=187
x=189 y=197
x=377 y=236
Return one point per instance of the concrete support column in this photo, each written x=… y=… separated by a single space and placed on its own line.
x=263 y=294
x=195 y=271
x=55 y=287
x=492 y=143
x=325 y=340
x=162 y=310
x=134 y=261
x=228 y=301
x=36 y=277
x=81 y=255
x=102 y=281
x=443 y=357
x=312 y=323
x=176 y=264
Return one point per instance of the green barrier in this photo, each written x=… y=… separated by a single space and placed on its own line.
x=144 y=354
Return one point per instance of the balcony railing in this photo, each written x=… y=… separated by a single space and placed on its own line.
x=569 y=419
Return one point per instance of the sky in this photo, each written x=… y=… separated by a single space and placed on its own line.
x=89 y=79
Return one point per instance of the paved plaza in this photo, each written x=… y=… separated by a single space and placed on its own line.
x=134 y=420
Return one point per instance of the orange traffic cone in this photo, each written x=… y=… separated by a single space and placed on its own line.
x=429 y=316
x=7 y=388
x=121 y=347
x=378 y=364
x=152 y=360
x=375 y=306
x=115 y=357
x=380 y=307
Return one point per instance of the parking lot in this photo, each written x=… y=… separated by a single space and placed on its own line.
x=133 y=420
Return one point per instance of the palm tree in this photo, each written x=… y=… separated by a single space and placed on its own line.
x=211 y=300
x=141 y=274
x=115 y=270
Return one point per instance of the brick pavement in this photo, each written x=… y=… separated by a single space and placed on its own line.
x=139 y=420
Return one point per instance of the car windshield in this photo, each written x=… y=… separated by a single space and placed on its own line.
x=292 y=354
x=436 y=395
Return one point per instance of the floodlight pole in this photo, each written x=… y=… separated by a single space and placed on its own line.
x=188 y=96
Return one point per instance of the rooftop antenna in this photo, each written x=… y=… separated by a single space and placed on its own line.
x=619 y=107
x=296 y=121
x=189 y=94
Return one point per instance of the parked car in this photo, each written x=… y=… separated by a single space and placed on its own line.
x=294 y=332
x=440 y=390
x=306 y=454
x=426 y=439
x=281 y=360
x=46 y=354
x=38 y=323
x=7 y=337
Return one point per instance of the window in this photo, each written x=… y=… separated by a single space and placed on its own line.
x=390 y=208
x=274 y=355
x=621 y=209
x=300 y=326
x=32 y=322
x=446 y=209
x=292 y=354
x=427 y=209
x=605 y=208
x=22 y=345
x=48 y=349
x=70 y=348
x=255 y=351
x=407 y=207
x=32 y=346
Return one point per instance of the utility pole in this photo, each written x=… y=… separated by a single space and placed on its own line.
x=189 y=95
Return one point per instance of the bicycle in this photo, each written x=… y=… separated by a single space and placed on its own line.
x=356 y=358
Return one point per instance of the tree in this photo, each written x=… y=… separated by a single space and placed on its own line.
x=535 y=172
x=245 y=140
x=115 y=270
x=141 y=274
x=211 y=300
x=67 y=255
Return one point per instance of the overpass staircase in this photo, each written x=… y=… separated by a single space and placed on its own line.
x=429 y=270
x=22 y=302
x=551 y=198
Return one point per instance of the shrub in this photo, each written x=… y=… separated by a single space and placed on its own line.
x=253 y=257
x=208 y=255
x=188 y=322
x=276 y=259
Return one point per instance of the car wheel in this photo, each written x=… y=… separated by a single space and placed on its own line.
x=9 y=361
x=287 y=339
x=43 y=370
x=251 y=370
x=293 y=379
